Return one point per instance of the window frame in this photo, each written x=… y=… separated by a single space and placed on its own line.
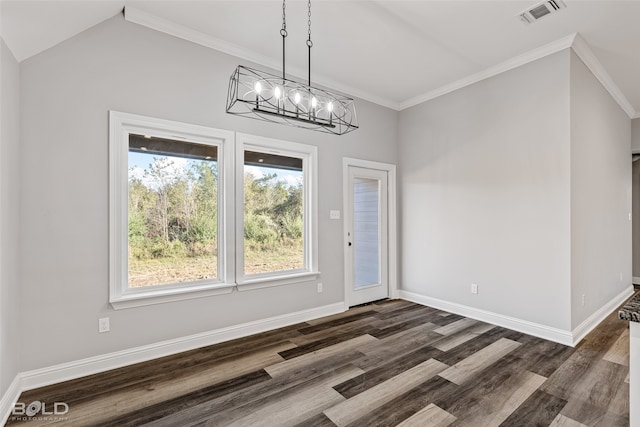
x=120 y=294
x=308 y=154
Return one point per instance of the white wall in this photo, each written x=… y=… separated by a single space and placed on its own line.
x=635 y=135
x=9 y=219
x=600 y=195
x=484 y=177
x=66 y=93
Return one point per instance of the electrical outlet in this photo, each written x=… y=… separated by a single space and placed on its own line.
x=319 y=287
x=583 y=296
x=334 y=214
x=474 y=288
x=103 y=325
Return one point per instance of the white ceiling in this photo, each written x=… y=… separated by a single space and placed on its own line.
x=395 y=53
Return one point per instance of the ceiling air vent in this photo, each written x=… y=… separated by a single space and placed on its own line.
x=541 y=10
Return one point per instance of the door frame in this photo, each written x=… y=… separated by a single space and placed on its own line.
x=392 y=261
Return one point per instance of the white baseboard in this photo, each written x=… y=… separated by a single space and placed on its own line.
x=92 y=365
x=541 y=331
x=9 y=398
x=636 y=280
x=594 y=320
x=570 y=338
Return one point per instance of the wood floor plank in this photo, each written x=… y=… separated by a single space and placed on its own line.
x=445 y=320
x=335 y=338
x=399 y=327
x=331 y=366
x=308 y=359
x=495 y=408
x=342 y=320
x=612 y=420
x=463 y=370
x=455 y=339
x=391 y=305
x=145 y=374
x=189 y=400
x=605 y=335
x=401 y=342
x=328 y=332
x=457 y=326
x=378 y=353
x=319 y=420
x=223 y=412
x=619 y=351
x=293 y=410
x=390 y=369
x=351 y=409
x=407 y=404
x=540 y=356
x=408 y=310
x=354 y=310
x=562 y=421
x=540 y=409
x=431 y=416
x=586 y=377
x=107 y=406
x=462 y=397
x=460 y=352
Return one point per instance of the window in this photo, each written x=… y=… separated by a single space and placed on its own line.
x=275 y=198
x=176 y=218
x=166 y=210
x=172 y=211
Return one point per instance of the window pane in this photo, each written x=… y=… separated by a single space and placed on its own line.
x=273 y=213
x=173 y=211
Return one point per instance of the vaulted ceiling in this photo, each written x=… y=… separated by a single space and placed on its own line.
x=395 y=53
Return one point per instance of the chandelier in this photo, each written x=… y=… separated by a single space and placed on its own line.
x=265 y=96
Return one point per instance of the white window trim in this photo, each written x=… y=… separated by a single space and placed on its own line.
x=309 y=156
x=120 y=295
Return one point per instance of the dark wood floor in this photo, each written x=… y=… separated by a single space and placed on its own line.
x=385 y=364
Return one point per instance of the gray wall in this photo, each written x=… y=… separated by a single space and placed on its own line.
x=66 y=94
x=484 y=177
x=9 y=218
x=600 y=195
x=635 y=135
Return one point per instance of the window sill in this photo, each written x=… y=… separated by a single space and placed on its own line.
x=270 y=281
x=132 y=299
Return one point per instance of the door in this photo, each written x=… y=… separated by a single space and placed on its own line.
x=367 y=235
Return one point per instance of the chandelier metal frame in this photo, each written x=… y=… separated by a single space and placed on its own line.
x=264 y=96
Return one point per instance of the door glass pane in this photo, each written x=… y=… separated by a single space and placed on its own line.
x=366 y=232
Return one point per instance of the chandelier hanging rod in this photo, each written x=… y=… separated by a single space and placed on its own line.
x=260 y=95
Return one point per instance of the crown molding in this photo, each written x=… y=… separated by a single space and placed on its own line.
x=574 y=41
x=584 y=52
x=157 y=23
x=517 y=61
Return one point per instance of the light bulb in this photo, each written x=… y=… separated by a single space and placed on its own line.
x=258 y=87
x=314 y=102
x=297 y=97
x=277 y=92
x=330 y=107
